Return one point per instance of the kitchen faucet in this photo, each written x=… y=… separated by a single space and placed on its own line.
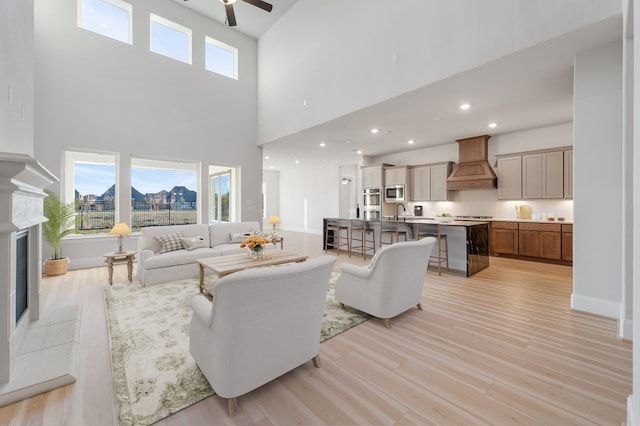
x=403 y=208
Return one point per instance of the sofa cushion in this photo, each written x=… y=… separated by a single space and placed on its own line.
x=169 y=242
x=236 y=238
x=148 y=242
x=179 y=257
x=219 y=233
x=191 y=243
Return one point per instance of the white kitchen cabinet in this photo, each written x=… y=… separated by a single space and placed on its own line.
x=429 y=182
x=395 y=175
x=371 y=176
x=439 y=175
x=510 y=178
x=420 y=183
x=536 y=174
x=568 y=173
x=552 y=174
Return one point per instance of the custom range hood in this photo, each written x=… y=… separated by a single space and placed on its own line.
x=473 y=170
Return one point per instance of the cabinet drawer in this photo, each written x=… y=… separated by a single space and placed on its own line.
x=544 y=227
x=504 y=225
x=567 y=227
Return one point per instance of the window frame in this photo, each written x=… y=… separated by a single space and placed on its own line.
x=157 y=19
x=128 y=7
x=223 y=46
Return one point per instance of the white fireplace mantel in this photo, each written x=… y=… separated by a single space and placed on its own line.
x=40 y=352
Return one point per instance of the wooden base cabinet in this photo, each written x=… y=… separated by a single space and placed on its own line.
x=504 y=237
x=535 y=240
x=567 y=242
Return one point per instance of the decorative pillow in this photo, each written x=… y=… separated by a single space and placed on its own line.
x=261 y=234
x=193 y=242
x=236 y=238
x=169 y=242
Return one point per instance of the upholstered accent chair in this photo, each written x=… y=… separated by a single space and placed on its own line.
x=390 y=284
x=260 y=324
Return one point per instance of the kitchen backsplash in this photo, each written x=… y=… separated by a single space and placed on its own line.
x=485 y=203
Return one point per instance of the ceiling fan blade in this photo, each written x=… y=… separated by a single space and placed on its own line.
x=261 y=4
x=231 y=16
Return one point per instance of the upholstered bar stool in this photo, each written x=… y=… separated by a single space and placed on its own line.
x=339 y=230
x=360 y=231
x=443 y=249
x=391 y=231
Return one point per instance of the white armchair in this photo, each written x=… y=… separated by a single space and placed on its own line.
x=390 y=284
x=262 y=323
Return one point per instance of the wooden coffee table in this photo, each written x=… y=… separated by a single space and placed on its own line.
x=228 y=264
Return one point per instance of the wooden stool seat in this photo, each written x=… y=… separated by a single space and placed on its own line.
x=335 y=230
x=359 y=236
x=391 y=233
x=443 y=250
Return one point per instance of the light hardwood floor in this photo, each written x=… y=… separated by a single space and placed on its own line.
x=501 y=347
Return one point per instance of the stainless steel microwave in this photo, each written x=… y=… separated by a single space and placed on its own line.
x=394 y=193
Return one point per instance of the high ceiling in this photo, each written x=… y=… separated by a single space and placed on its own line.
x=529 y=89
x=251 y=20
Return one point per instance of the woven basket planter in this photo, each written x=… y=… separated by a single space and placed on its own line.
x=54 y=267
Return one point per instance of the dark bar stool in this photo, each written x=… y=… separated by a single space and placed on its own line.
x=360 y=230
x=341 y=235
x=392 y=232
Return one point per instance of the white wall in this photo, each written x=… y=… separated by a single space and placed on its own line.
x=598 y=180
x=16 y=76
x=336 y=55
x=95 y=93
x=271 y=179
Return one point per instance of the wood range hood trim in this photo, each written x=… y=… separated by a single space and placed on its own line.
x=473 y=170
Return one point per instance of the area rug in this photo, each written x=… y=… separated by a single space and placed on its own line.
x=153 y=372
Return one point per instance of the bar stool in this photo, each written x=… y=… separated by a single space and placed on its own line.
x=361 y=229
x=391 y=232
x=336 y=227
x=443 y=252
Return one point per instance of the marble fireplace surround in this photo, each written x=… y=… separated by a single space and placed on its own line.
x=40 y=352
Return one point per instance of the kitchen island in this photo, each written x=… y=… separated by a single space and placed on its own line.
x=468 y=240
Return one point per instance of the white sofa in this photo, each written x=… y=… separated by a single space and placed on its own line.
x=155 y=268
x=262 y=323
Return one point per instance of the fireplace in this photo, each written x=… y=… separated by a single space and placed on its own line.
x=22 y=273
x=38 y=350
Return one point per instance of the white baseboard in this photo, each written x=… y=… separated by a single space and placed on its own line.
x=605 y=308
x=625 y=329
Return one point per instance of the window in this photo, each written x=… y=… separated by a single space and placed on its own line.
x=163 y=192
x=221 y=58
x=110 y=18
x=90 y=181
x=170 y=39
x=220 y=196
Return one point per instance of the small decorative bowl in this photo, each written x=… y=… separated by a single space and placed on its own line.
x=444 y=219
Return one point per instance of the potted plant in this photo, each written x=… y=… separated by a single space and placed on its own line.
x=60 y=220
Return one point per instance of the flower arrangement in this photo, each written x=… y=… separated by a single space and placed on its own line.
x=255 y=244
x=253 y=241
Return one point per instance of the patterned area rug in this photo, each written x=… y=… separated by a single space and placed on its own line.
x=154 y=374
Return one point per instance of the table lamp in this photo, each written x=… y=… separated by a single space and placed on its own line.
x=120 y=229
x=274 y=220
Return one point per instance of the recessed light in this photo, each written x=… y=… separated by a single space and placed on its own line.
x=266 y=157
x=359 y=152
x=465 y=106
x=493 y=125
x=297 y=161
x=437 y=118
x=411 y=141
x=271 y=166
x=374 y=131
x=322 y=144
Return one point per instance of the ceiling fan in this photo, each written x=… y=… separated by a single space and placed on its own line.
x=231 y=16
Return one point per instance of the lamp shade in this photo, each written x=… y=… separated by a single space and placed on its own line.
x=274 y=220
x=120 y=228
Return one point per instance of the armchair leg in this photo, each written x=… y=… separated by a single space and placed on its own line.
x=419 y=306
x=232 y=403
x=386 y=322
x=316 y=361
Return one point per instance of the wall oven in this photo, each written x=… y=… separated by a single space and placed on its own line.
x=372 y=199
x=394 y=193
x=371 y=214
